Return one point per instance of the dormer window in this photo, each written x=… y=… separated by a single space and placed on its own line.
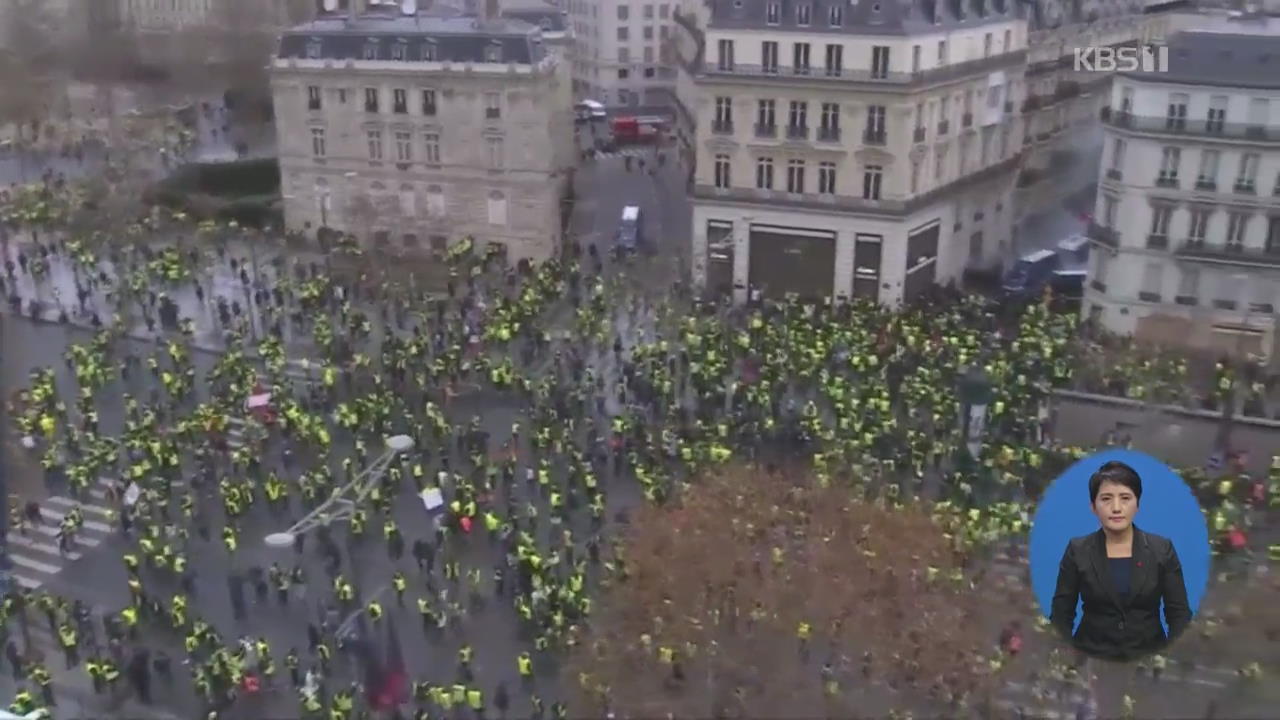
x=546 y=24
x=773 y=13
x=371 y=50
x=493 y=52
x=803 y=11
x=427 y=51
x=835 y=15
x=400 y=50
x=980 y=8
x=313 y=49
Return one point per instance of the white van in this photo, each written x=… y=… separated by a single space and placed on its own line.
x=589 y=110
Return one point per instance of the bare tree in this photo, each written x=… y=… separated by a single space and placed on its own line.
x=760 y=595
x=29 y=65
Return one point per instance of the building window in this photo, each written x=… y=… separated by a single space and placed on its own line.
x=664 y=11
x=624 y=33
x=773 y=13
x=835 y=14
x=1199 y=225
x=624 y=12
x=765 y=116
x=800 y=58
x=400 y=101
x=493 y=52
x=834 y=60
x=429 y=103
x=1170 y=159
x=795 y=176
x=769 y=56
x=975 y=246
x=1237 y=225
x=435 y=201
x=497 y=208
x=879 y=62
x=1117 y=154
x=313 y=97
x=492 y=105
x=827 y=178
x=431 y=148
x=942 y=52
x=723 y=121
x=725 y=58
x=647 y=34
x=371 y=51
x=1189 y=282
x=1247 y=178
x=313 y=51
x=1207 y=178
x=404 y=146
x=648 y=12
x=871 y=179
x=342 y=96
x=495 y=147
x=408 y=206
x=830 y=128
x=623 y=74
x=397 y=51
x=803 y=14
x=371 y=100
x=317 y=142
x=915 y=176
x=940 y=163
x=1160 y=216
x=1108 y=211
x=1272 y=244
x=798 y=121
x=427 y=51
x=722 y=171
x=764 y=173
x=375 y=144
x=1176 y=119
x=875 y=124
x=1217 y=115
x=624 y=55
x=1008 y=41
x=1152 y=282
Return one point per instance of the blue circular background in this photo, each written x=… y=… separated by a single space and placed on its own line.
x=1168 y=507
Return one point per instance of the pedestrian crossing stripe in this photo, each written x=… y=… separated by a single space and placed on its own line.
x=631 y=152
x=36 y=555
x=56 y=517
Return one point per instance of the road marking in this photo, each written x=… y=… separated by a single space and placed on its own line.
x=36 y=565
x=87 y=524
x=80 y=539
x=87 y=507
x=28 y=583
x=21 y=540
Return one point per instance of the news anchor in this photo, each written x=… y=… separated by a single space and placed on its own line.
x=1122 y=574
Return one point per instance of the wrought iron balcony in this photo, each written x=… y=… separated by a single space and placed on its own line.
x=944 y=73
x=722 y=127
x=1103 y=235
x=798 y=132
x=766 y=131
x=828 y=134
x=1157 y=242
x=1229 y=253
x=1164 y=180
x=874 y=136
x=943 y=127
x=918 y=135
x=1199 y=128
x=966 y=120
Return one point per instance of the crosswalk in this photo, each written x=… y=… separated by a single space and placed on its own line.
x=235 y=433
x=301 y=370
x=637 y=152
x=34 y=553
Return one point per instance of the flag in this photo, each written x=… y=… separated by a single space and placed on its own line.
x=393 y=687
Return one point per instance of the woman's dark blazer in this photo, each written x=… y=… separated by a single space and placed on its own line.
x=1115 y=627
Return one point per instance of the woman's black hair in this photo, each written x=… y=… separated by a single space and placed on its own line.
x=1116 y=472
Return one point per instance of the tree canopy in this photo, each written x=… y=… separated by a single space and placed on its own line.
x=719 y=591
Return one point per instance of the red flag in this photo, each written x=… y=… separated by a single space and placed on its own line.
x=465 y=522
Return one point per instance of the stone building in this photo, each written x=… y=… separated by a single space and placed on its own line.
x=411 y=132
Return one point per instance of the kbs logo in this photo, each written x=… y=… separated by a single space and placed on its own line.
x=1149 y=58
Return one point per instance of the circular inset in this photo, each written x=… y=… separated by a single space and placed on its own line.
x=1105 y=506
x=400 y=443
x=280 y=539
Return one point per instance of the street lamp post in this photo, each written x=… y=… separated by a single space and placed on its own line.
x=342 y=504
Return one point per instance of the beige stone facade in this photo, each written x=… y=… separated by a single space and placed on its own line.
x=413 y=155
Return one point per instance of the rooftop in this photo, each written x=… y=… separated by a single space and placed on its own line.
x=394 y=37
x=861 y=17
x=1241 y=60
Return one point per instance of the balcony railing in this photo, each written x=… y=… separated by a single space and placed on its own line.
x=966 y=120
x=918 y=135
x=1229 y=253
x=889 y=206
x=1166 y=181
x=722 y=127
x=1103 y=235
x=873 y=136
x=766 y=131
x=1157 y=242
x=943 y=127
x=1207 y=184
x=923 y=77
x=798 y=132
x=1148 y=296
x=1199 y=128
x=828 y=134
x=1114 y=174
x=1245 y=187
